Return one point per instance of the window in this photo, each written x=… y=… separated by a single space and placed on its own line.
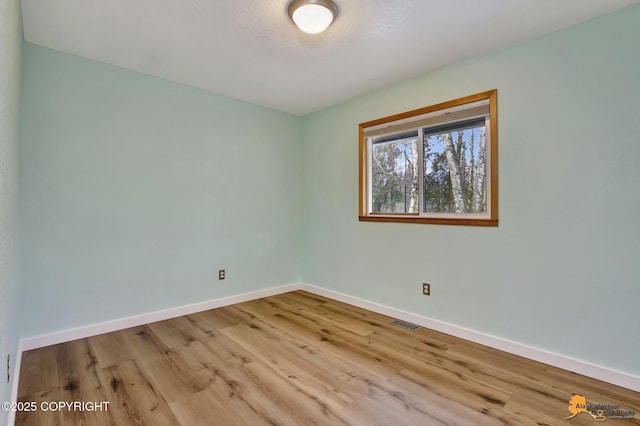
x=437 y=164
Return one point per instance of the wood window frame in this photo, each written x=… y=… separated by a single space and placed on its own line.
x=488 y=219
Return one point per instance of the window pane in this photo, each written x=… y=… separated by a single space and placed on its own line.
x=455 y=170
x=457 y=164
x=394 y=175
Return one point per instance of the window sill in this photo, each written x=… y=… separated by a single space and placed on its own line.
x=430 y=220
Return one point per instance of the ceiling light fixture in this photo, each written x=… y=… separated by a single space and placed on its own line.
x=313 y=16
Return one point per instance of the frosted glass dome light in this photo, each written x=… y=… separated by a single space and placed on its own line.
x=312 y=16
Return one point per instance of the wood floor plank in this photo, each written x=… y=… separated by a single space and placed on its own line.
x=311 y=331
x=298 y=359
x=241 y=380
x=39 y=371
x=275 y=354
x=336 y=318
x=366 y=411
x=215 y=319
x=447 y=410
x=109 y=349
x=170 y=336
x=347 y=375
x=164 y=367
x=489 y=357
x=134 y=399
x=301 y=300
x=227 y=316
x=248 y=404
x=391 y=356
x=202 y=408
x=79 y=381
x=242 y=366
x=40 y=417
x=475 y=397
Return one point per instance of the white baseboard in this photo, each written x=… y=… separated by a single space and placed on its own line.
x=11 y=419
x=566 y=363
x=136 y=320
x=595 y=371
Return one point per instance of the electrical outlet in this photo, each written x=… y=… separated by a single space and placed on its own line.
x=426 y=289
x=8 y=368
x=221 y=274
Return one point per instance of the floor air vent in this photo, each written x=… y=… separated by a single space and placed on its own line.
x=405 y=324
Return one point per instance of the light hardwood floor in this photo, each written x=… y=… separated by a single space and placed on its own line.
x=299 y=359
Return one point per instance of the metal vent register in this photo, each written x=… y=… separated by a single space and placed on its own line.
x=405 y=324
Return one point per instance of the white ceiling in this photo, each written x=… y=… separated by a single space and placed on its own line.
x=250 y=50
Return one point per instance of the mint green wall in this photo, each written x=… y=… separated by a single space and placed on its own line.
x=561 y=272
x=135 y=191
x=10 y=47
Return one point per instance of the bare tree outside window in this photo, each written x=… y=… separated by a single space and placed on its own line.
x=454 y=171
x=395 y=176
x=433 y=165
